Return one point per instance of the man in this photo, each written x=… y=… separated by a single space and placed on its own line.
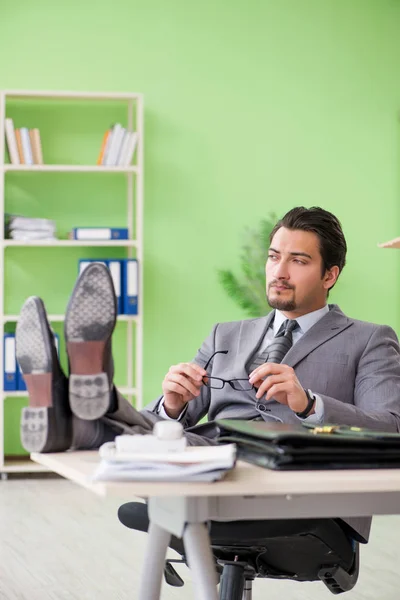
x=304 y=361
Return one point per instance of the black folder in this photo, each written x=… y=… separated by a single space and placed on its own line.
x=301 y=447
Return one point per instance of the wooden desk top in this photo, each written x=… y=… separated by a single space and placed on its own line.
x=245 y=479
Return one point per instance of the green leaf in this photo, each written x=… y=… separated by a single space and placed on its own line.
x=249 y=290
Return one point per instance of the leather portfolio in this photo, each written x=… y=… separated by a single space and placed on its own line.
x=289 y=447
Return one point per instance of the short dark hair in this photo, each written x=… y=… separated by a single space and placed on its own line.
x=327 y=228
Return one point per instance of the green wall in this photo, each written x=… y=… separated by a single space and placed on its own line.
x=249 y=107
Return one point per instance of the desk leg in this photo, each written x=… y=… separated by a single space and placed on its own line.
x=153 y=567
x=200 y=559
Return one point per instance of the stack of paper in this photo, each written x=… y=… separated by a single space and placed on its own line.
x=195 y=463
x=27 y=228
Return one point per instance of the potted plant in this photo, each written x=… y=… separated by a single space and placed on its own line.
x=248 y=291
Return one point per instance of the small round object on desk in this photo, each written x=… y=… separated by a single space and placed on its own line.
x=168 y=430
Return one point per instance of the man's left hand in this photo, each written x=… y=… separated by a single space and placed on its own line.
x=279 y=382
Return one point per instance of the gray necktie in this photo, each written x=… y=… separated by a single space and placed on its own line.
x=279 y=346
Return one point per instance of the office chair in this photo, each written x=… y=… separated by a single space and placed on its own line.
x=301 y=550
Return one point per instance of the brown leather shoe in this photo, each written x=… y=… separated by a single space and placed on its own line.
x=46 y=424
x=89 y=323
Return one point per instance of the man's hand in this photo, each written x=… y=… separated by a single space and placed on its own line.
x=279 y=382
x=181 y=384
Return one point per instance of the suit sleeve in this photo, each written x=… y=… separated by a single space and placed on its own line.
x=197 y=408
x=376 y=389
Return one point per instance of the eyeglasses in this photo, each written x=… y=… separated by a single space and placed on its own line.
x=217 y=383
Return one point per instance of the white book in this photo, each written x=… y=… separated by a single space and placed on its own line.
x=112 y=154
x=130 y=149
x=26 y=146
x=11 y=142
x=123 y=148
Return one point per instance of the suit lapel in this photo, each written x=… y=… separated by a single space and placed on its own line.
x=250 y=337
x=333 y=323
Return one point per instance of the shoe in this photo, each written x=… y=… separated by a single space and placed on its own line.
x=46 y=424
x=89 y=323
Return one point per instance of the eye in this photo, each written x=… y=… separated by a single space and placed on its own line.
x=272 y=256
x=299 y=262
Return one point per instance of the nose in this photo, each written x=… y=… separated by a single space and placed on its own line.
x=281 y=270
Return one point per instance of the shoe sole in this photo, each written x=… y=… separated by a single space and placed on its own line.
x=38 y=426
x=89 y=323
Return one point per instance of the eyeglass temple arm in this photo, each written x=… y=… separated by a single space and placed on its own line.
x=212 y=356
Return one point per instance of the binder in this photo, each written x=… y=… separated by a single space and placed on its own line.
x=130 y=285
x=100 y=233
x=10 y=363
x=115 y=270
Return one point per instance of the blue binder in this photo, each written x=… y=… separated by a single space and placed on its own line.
x=10 y=363
x=100 y=233
x=115 y=270
x=130 y=286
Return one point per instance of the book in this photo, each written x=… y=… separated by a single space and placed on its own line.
x=36 y=145
x=103 y=147
x=11 y=142
x=126 y=159
x=123 y=148
x=26 y=146
x=115 y=142
x=19 y=146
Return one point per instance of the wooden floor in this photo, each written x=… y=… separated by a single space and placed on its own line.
x=60 y=542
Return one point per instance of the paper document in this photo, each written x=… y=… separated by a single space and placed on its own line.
x=195 y=463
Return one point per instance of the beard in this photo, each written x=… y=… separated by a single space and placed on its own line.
x=284 y=304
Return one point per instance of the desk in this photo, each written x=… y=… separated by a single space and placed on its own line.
x=246 y=492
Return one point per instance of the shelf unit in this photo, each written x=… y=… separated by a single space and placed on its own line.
x=134 y=196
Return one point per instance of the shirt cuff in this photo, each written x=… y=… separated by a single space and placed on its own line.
x=316 y=418
x=162 y=413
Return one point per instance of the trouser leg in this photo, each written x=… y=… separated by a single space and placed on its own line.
x=125 y=419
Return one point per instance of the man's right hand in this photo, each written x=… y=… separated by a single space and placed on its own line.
x=181 y=384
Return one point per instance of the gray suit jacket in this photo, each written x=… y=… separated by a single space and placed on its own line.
x=352 y=365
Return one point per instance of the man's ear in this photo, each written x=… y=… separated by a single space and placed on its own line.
x=330 y=277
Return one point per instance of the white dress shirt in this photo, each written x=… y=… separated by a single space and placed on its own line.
x=305 y=323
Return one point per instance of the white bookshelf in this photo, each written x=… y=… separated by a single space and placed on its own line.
x=134 y=196
x=75 y=243
x=69 y=168
x=60 y=318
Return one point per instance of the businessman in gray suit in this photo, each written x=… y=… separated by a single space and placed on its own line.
x=306 y=360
